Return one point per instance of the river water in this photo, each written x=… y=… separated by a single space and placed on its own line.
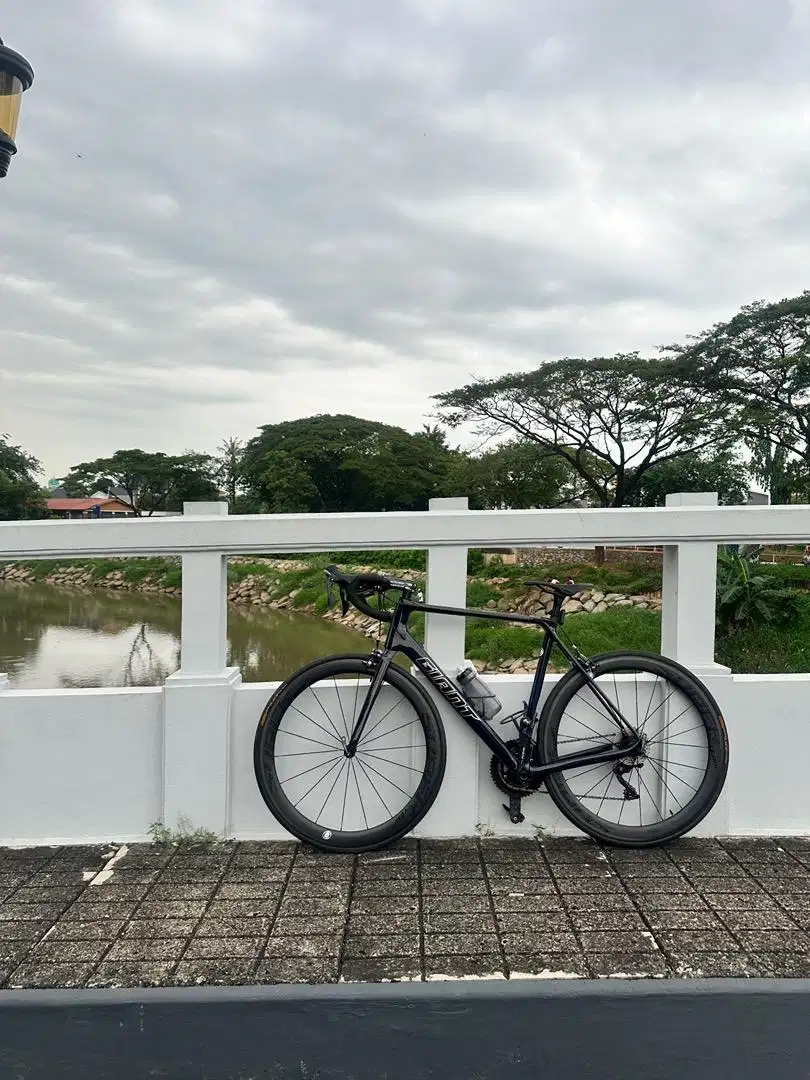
x=54 y=638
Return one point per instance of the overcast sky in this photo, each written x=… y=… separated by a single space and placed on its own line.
x=225 y=214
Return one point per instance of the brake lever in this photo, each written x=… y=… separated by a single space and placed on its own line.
x=330 y=596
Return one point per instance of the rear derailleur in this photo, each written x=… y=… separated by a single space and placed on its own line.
x=514 y=783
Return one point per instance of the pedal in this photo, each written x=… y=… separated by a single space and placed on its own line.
x=513 y=809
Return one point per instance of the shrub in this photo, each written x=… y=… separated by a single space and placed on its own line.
x=748 y=597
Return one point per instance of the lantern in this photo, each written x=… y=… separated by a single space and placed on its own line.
x=16 y=75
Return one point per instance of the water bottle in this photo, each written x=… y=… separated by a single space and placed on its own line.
x=477 y=692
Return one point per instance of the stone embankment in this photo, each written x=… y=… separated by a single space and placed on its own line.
x=262 y=590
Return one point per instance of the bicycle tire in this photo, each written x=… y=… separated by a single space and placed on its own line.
x=706 y=794
x=271 y=786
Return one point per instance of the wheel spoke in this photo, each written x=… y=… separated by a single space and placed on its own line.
x=345 y=793
x=576 y=719
x=382 y=776
x=318 y=765
x=359 y=793
x=325 y=713
x=320 y=727
x=399 y=764
x=310 y=790
x=296 y=735
x=332 y=788
x=340 y=704
x=409 y=723
x=374 y=786
x=660 y=776
x=383 y=717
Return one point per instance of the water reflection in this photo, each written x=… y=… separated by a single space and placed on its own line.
x=52 y=638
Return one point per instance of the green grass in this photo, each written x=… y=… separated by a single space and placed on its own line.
x=173 y=579
x=497 y=644
x=608 y=578
x=479 y=593
x=617 y=628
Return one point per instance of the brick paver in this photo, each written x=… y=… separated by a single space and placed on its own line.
x=241 y=913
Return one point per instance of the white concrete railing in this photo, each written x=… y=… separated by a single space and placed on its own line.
x=97 y=765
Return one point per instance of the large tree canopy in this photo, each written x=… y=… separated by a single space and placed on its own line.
x=343 y=463
x=722 y=472
x=516 y=475
x=20 y=496
x=151 y=481
x=611 y=418
x=758 y=363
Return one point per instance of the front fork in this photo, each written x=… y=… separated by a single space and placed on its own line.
x=383 y=662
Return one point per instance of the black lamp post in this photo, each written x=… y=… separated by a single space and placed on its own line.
x=16 y=75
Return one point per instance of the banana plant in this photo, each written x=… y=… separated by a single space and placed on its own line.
x=747 y=596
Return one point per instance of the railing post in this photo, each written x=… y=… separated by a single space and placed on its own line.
x=447 y=587
x=455 y=812
x=198 y=697
x=688 y=594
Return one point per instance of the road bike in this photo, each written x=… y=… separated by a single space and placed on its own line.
x=350 y=751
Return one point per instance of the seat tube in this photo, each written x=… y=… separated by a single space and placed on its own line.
x=540 y=674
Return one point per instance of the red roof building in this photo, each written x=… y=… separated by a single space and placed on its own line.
x=88 y=508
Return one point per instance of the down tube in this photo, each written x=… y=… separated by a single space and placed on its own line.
x=408 y=646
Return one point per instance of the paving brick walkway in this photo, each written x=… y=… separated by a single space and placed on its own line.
x=263 y=912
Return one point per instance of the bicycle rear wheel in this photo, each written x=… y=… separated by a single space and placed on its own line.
x=349 y=803
x=657 y=794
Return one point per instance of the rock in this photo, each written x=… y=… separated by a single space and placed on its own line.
x=570 y=607
x=600 y=606
x=589 y=605
x=642 y=605
x=264 y=597
x=491 y=604
x=625 y=602
x=612 y=597
x=597 y=596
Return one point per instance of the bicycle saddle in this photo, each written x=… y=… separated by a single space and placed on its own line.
x=569 y=588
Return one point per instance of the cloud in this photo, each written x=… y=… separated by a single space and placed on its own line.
x=224 y=215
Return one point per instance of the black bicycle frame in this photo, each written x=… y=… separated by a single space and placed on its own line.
x=400 y=640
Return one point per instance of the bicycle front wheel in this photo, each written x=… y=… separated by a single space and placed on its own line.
x=663 y=790
x=351 y=803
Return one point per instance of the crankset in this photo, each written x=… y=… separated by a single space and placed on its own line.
x=516 y=787
x=507 y=780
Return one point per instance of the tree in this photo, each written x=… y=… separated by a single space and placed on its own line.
x=758 y=363
x=516 y=475
x=20 y=495
x=332 y=463
x=611 y=419
x=151 y=481
x=286 y=484
x=230 y=470
x=722 y=472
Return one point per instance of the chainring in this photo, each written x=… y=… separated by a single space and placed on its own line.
x=507 y=781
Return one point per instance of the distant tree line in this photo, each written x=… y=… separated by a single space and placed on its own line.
x=726 y=408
